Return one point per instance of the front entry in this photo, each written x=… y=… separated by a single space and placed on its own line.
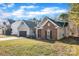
x=23 y=33
x=48 y=34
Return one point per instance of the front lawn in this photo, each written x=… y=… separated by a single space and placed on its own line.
x=25 y=46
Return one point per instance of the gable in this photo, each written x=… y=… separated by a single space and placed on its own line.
x=54 y=22
x=49 y=25
x=44 y=23
x=23 y=26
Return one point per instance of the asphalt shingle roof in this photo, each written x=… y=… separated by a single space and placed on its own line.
x=59 y=23
x=30 y=24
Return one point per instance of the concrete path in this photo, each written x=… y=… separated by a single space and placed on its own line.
x=8 y=38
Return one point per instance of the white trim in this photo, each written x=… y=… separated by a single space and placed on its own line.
x=36 y=33
x=54 y=23
x=49 y=21
x=44 y=23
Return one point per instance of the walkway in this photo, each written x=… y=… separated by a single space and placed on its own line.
x=8 y=38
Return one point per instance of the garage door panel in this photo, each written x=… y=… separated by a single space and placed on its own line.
x=23 y=33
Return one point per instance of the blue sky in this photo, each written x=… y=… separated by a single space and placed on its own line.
x=31 y=10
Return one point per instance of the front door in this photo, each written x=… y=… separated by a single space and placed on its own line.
x=48 y=34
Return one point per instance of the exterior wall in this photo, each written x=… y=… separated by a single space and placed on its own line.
x=76 y=32
x=33 y=32
x=50 y=27
x=15 y=32
x=67 y=31
x=60 y=33
x=1 y=31
x=14 y=29
x=73 y=29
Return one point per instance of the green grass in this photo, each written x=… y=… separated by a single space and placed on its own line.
x=31 y=47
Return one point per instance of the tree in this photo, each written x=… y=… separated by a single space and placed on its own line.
x=74 y=13
x=74 y=16
x=64 y=18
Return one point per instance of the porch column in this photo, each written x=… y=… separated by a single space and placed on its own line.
x=18 y=33
x=36 y=33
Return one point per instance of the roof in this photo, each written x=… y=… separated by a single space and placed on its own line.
x=58 y=23
x=11 y=21
x=16 y=24
x=30 y=23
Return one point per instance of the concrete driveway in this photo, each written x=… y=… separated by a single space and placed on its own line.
x=8 y=38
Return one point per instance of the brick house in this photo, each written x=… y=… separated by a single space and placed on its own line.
x=51 y=29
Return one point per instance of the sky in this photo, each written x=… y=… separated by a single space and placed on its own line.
x=19 y=11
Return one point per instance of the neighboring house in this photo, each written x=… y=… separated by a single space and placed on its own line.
x=2 y=30
x=23 y=28
x=51 y=29
x=74 y=29
x=5 y=27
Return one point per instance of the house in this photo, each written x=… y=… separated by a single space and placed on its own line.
x=5 y=26
x=51 y=29
x=2 y=30
x=73 y=29
x=9 y=30
x=23 y=28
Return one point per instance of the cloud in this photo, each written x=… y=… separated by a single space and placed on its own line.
x=18 y=13
x=21 y=12
x=9 y=4
x=31 y=6
x=4 y=14
x=47 y=11
x=50 y=9
x=54 y=10
x=5 y=5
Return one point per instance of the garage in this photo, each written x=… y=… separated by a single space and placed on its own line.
x=22 y=33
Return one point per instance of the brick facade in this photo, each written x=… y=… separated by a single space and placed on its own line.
x=51 y=27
